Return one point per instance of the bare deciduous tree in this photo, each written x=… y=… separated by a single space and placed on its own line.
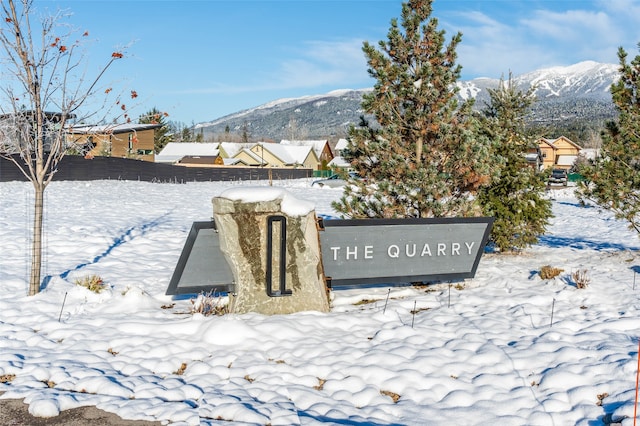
x=45 y=87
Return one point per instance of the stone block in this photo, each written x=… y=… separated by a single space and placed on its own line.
x=247 y=219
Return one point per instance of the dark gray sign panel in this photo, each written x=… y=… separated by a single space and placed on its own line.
x=354 y=252
x=369 y=251
x=202 y=266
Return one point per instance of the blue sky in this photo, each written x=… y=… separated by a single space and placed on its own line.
x=202 y=59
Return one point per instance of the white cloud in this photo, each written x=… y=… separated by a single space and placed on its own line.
x=319 y=63
x=324 y=63
x=571 y=26
x=630 y=8
x=493 y=46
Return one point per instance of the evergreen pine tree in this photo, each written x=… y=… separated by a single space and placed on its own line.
x=163 y=134
x=425 y=158
x=612 y=180
x=245 y=133
x=515 y=198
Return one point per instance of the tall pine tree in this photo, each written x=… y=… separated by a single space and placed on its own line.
x=425 y=159
x=613 y=179
x=515 y=198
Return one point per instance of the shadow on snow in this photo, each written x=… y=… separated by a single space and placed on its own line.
x=126 y=235
x=582 y=244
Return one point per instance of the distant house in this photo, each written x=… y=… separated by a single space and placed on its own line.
x=321 y=148
x=115 y=140
x=243 y=159
x=338 y=160
x=264 y=154
x=590 y=153
x=341 y=145
x=558 y=153
x=174 y=152
x=534 y=158
x=14 y=127
x=204 y=153
x=230 y=149
x=201 y=160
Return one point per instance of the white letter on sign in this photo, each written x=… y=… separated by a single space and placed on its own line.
x=335 y=251
x=368 y=252
x=353 y=252
x=393 y=251
x=469 y=246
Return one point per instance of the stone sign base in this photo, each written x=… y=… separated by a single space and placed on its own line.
x=270 y=241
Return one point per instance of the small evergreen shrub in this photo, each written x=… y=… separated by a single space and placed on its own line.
x=548 y=272
x=93 y=283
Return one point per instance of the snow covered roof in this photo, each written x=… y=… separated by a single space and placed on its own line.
x=231 y=161
x=317 y=145
x=590 y=153
x=339 y=162
x=255 y=157
x=232 y=148
x=190 y=148
x=112 y=128
x=174 y=151
x=288 y=154
x=552 y=142
x=548 y=142
x=342 y=144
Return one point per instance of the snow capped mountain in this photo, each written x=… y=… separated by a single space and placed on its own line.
x=472 y=89
x=579 y=91
x=583 y=79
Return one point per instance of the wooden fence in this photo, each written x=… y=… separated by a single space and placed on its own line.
x=77 y=168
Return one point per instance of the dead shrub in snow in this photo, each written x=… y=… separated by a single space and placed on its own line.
x=601 y=397
x=180 y=371
x=6 y=378
x=581 y=278
x=208 y=304
x=320 y=384
x=394 y=396
x=548 y=272
x=93 y=283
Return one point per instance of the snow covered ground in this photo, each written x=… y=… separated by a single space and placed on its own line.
x=504 y=348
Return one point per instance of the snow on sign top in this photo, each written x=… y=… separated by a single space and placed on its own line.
x=290 y=205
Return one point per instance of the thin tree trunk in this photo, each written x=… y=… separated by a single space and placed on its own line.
x=36 y=246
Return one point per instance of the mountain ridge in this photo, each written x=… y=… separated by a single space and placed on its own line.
x=578 y=92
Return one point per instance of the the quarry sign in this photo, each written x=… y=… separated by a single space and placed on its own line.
x=354 y=252
x=270 y=253
x=402 y=250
